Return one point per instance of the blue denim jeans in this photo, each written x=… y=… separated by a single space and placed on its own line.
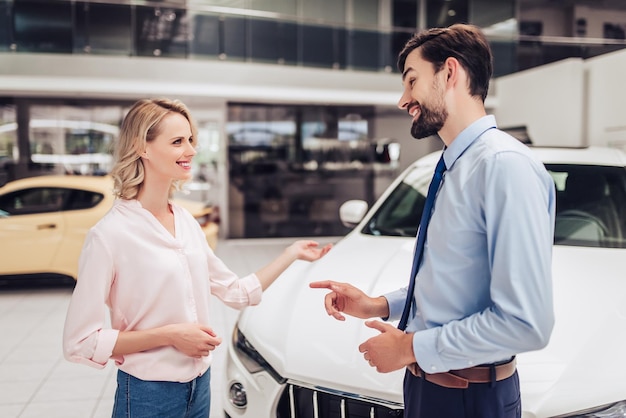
x=138 y=398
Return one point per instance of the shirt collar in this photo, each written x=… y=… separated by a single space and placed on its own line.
x=466 y=138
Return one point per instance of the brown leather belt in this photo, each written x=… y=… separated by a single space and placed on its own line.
x=460 y=379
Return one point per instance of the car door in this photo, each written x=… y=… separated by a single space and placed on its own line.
x=83 y=208
x=31 y=229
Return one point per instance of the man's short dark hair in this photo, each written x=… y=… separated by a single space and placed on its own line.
x=466 y=43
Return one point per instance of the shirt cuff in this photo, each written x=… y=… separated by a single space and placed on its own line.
x=425 y=350
x=396 y=301
x=255 y=290
x=104 y=349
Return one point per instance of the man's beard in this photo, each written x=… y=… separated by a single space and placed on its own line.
x=429 y=122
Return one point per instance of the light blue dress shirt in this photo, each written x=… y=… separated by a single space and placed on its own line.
x=484 y=289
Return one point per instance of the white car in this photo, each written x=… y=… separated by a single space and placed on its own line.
x=288 y=358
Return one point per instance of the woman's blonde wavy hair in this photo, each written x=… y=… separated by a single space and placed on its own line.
x=140 y=126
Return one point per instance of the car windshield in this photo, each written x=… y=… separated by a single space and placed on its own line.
x=591 y=205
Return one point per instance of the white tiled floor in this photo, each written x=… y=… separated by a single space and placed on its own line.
x=35 y=379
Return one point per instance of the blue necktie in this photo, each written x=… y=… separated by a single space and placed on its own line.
x=421 y=238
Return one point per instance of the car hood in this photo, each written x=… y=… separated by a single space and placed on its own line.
x=311 y=347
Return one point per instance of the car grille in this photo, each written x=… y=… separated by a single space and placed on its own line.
x=298 y=401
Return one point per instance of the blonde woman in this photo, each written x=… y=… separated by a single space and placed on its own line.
x=148 y=261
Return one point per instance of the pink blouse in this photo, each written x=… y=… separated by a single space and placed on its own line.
x=148 y=279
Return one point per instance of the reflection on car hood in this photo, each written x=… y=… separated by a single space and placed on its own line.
x=586 y=345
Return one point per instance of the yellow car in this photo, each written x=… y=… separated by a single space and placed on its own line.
x=44 y=220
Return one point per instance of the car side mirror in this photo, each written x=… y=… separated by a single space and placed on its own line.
x=352 y=212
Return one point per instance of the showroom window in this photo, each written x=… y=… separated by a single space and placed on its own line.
x=161 y=31
x=291 y=167
x=103 y=28
x=43 y=26
x=6 y=26
x=72 y=139
x=9 y=152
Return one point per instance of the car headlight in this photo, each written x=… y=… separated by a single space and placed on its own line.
x=237 y=395
x=250 y=358
x=614 y=410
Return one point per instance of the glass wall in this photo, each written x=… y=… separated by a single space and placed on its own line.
x=338 y=34
x=44 y=136
x=291 y=167
x=74 y=139
x=9 y=152
x=6 y=25
x=445 y=13
x=103 y=29
x=53 y=137
x=43 y=26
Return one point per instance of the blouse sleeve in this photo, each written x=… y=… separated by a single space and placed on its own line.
x=85 y=340
x=229 y=288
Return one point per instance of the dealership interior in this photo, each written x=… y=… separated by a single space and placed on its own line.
x=295 y=104
x=284 y=93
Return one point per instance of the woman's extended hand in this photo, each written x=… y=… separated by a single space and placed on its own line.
x=308 y=250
